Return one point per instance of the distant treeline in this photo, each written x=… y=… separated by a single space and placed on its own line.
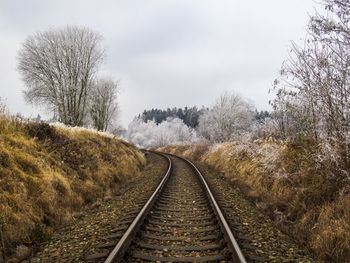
x=190 y=116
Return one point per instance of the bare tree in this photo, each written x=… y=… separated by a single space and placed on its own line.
x=314 y=85
x=230 y=116
x=103 y=103
x=57 y=67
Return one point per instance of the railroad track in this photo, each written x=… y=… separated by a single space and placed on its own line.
x=180 y=222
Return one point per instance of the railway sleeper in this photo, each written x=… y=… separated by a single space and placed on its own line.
x=171 y=224
x=184 y=203
x=202 y=218
x=182 y=207
x=96 y=256
x=114 y=236
x=182 y=231
x=206 y=210
x=174 y=238
x=183 y=197
x=211 y=258
x=179 y=248
x=119 y=228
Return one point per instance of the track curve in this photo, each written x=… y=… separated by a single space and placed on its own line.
x=181 y=222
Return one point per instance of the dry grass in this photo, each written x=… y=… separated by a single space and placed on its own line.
x=287 y=181
x=47 y=173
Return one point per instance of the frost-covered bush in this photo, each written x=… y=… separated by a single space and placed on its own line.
x=149 y=134
x=3 y=108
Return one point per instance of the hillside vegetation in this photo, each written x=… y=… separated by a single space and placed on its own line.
x=291 y=183
x=49 y=172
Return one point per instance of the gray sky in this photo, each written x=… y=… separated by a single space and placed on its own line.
x=166 y=53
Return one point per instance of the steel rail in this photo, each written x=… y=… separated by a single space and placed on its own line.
x=123 y=244
x=238 y=256
x=119 y=250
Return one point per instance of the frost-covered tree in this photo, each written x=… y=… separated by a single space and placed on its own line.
x=264 y=129
x=149 y=134
x=313 y=90
x=141 y=133
x=173 y=130
x=57 y=67
x=292 y=114
x=230 y=117
x=103 y=103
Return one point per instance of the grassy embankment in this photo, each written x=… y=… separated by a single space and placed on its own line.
x=47 y=173
x=288 y=182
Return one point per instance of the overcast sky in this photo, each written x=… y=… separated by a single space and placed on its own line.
x=166 y=53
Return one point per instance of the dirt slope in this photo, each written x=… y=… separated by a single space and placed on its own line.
x=48 y=173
